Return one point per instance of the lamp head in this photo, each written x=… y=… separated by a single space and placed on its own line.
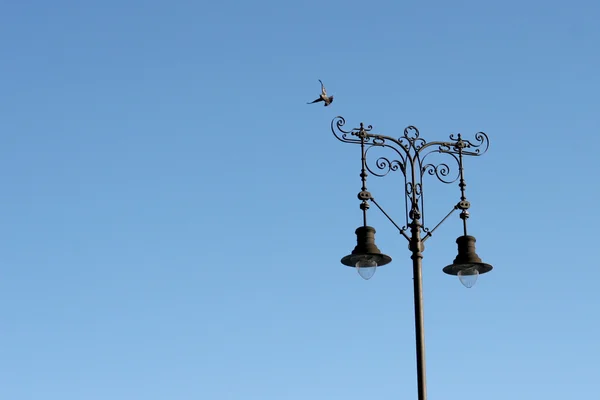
x=467 y=265
x=366 y=257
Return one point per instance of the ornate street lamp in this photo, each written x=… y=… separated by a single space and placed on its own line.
x=410 y=157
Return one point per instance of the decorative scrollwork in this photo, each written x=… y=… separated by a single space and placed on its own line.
x=384 y=165
x=409 y=188
x=410 y=140
x=445 y=147
x=477 y=147
x=411 y=152
x=378 y=141
x=440 y=171
x=418 y=189
x=361 y=134
x=411 y=132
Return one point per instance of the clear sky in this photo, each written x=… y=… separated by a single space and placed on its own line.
x=173 y=213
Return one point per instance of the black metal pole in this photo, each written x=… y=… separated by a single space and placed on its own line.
x=416 y=247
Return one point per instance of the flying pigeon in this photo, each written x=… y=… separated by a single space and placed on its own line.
x=323 y=97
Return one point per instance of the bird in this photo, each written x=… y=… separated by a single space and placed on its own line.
x=323 y=97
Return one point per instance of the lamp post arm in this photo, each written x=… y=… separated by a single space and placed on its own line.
x=401 y=230
x=430 y=233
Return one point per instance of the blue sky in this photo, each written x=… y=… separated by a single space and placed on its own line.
x=173 y=213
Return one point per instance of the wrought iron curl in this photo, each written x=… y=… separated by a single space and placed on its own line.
x=355 y=135
x=379 y=141
x=384 y=163
x=440 y=171
x=445 y=147
x=411 y=132
x=418 y=189
x=409 y=189
x=411 y=139
x=415 y=190
x=477 y=147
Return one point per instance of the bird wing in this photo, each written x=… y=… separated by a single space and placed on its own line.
x=323 y=90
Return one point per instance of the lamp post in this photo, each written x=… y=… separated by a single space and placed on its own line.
x=410 y=158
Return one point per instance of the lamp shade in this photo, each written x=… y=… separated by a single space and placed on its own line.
x=467 y=259
x=365 y=249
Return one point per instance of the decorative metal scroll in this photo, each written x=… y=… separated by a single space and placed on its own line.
x=410 y=155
